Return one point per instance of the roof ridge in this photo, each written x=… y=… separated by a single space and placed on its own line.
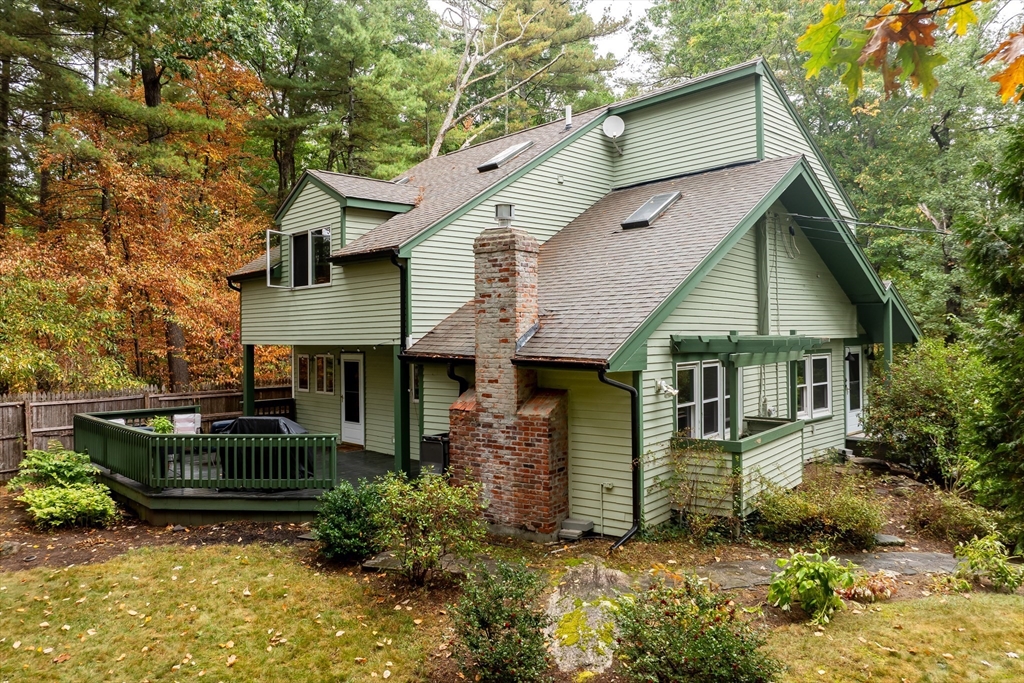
x=350 y=175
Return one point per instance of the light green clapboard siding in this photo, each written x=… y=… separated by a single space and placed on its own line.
x=599 y=448
x=359 y=307
x=358 y=222
x=438 y=394
x=804 y=294
x=780 y=462
x=380 y=406
x=783 y=137
x=708 y=129
x=442 y=266
x=317 y=412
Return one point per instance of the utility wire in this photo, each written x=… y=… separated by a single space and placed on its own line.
x=866 y=224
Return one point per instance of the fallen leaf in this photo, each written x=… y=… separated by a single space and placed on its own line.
x=132 y=613
x=91 y=632
x=360 y=660
x=63 y=657
x=387 y=673
x=246 y=592
x=417 y=621
x=17 y=644
x=121 y=658
x=65 y=627
x=44 y=624
x=947 y=655
x=1011 y=655
x=339 y=634
x=47 y=650
x=231 y=660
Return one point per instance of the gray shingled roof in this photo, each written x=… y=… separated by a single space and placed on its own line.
x=599 y=282
x=358 y=187
x=448 y=182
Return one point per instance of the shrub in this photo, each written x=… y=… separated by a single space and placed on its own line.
x=827 y=506
x=986 y=559
x=870 y=588
x=345 y=527
x=689 y=634
x=949 y=516
x=426 y=519
x=56 y=466
x=925 y=416
x=500 y=627
x=814 y=581
x=161 y=425
x=73 y=505
x=703 y=501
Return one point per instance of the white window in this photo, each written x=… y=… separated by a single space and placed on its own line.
x=704 y=400
x=302 y=372
x=325 y=374
x=307 y=254
x=814 y=386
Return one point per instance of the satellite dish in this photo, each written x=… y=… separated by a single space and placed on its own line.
x=613 y=126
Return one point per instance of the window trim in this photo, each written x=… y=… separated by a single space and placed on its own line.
x=299 y=357
x=724 y=422
x=810 y=412
x=310 y=264
x=328 y=365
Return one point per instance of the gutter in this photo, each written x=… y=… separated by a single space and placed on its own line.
x=634 y=421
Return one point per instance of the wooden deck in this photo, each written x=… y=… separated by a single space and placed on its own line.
x=191 y=506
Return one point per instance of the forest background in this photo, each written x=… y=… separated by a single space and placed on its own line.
x=145 y=145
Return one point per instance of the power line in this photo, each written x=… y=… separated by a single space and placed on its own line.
x=866 y=224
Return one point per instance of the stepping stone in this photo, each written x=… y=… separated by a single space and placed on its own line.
x=888 y=540
x=9 y=548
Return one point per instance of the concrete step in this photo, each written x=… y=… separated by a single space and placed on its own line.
x=577 y=524
x=570 y=534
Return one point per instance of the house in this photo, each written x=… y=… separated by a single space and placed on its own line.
x=679 y=261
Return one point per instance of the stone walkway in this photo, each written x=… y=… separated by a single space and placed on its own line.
x=747 y=573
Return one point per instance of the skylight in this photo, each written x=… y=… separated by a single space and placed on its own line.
x=503 y=158
x=401 y=181
x=649 y=212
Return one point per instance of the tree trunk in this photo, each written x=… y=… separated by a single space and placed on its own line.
x=284 y=155
x=5 y=118
x=177 y=366
x=44 y=174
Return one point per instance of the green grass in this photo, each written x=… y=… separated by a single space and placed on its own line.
x=149 y=611
x=918 y=634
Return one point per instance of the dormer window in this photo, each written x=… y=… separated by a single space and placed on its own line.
x=649 y=212
x=304 y=253
x=499 y=160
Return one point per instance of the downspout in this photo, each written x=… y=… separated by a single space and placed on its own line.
x=403 y=450
x=233 y=286
x=403 y=313
x=634 y=419
x=463 y=382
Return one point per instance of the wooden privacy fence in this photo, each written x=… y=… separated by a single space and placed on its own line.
x=33 y=419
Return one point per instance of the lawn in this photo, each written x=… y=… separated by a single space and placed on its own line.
x=937 y=638
x=215 y=613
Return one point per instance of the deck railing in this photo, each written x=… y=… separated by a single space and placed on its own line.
x=221 y=461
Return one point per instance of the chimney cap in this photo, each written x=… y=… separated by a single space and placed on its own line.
x=504 y=214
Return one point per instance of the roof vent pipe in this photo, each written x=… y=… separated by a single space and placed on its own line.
x=568 y=116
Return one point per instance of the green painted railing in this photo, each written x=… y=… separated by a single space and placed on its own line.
x=222 y=461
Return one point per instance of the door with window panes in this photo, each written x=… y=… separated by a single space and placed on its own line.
x=352 y=399
x=854 y=388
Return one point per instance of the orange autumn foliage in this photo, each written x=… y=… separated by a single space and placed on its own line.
x=154 y=207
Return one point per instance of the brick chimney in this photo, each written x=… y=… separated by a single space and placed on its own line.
x=506 y=312
x=507 y=434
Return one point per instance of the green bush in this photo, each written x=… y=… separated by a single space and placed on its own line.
x=423 y=520
x=986 y=559
x=56 y=466
x=949 y=516
x=925 y=417
x=161 y=425
x=814 y=582
x=73 y=505
x=500 y=627
x=827 y=506
x=688 y=634
x=345 y=528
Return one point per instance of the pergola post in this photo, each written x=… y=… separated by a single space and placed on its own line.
x=732 y=375
x=248 y=379
x=791 y=386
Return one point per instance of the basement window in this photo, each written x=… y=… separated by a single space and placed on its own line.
x=499 y=160
x=298 y=259
x=649 y=212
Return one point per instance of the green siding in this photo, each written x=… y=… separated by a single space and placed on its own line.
x=830 y=433
x=780 y=462
x=599 y=448
x=358 y=222
x=442 y=266
x=380 y=406
x=709 y=129
x=319 y=413
x=783 y=137
x=439 y=393
x=803 y=295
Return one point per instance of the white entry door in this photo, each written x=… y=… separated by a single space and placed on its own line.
x=854 y=388
x=352 y=400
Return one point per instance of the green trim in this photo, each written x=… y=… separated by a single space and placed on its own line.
x=344 y=228
x=759 y=115
x=638 y=384
x=248 y=380
x=757 y=440
x=690 y=87
x=405 y=250
x=419 y=377
x=816 y=420
x=306 y=177
x=887 y=338
x=791 y=389
x=401 y=399
x=767 y=71
x=752 y=344
x=669 y=305
x=905 y=313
